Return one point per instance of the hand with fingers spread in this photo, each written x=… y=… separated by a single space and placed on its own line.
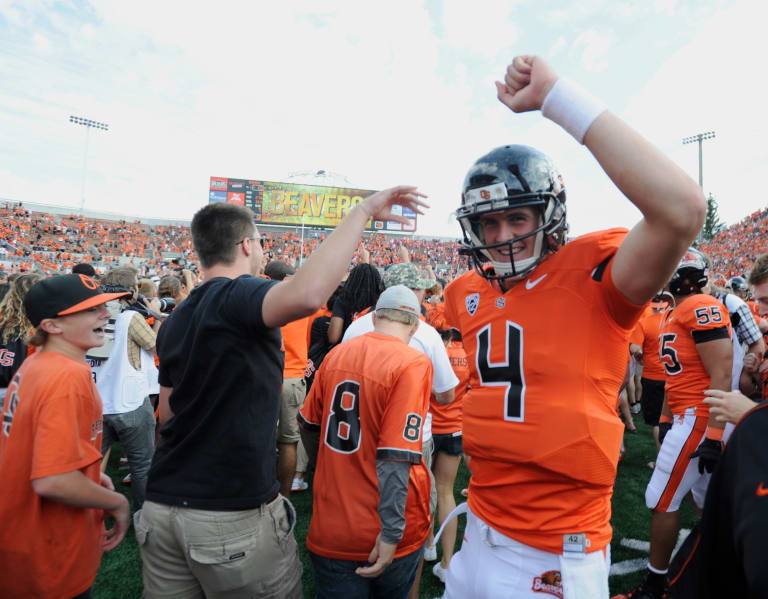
x=527 y=82
x=379 y=205
x=381 y=556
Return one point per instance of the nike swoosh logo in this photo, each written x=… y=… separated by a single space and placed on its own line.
x=761 y=490
x=531 y=284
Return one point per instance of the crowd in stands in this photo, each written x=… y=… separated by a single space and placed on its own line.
x=54 y=243
x=734 y=250
x=51 y=243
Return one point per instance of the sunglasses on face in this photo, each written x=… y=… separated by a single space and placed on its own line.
x=261 y=241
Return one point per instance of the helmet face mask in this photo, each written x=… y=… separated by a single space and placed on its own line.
x=512 y=177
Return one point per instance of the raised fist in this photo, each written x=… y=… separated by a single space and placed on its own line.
x=527 y=82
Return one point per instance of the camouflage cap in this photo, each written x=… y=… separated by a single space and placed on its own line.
x=406 y=274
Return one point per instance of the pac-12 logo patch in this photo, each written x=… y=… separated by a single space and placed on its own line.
x=472 y=301
x=551 y=582
x=500 y=302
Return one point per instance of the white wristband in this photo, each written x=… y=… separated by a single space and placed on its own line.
x=572 y=107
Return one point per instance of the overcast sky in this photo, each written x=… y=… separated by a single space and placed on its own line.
x=384 y=93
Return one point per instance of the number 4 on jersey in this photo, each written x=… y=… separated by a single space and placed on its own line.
x=507 y=374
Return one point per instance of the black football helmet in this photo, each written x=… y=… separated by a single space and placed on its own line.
x=738 y=285
x=691 y=274
x=512 y=177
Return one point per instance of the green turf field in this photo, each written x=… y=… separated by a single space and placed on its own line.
x=120 y=573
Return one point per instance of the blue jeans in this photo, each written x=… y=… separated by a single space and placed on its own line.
x=336 y=578
x=135 y=430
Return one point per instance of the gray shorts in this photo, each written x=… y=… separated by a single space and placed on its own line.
x=291 y=400
x=190 y=553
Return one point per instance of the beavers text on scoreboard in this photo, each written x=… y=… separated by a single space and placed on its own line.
x=278 y=203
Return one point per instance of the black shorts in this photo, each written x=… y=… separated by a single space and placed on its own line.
x=651 y=400
x=449 y=443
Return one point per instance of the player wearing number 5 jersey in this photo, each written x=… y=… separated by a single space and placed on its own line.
x=366 y=409
x=546 y=326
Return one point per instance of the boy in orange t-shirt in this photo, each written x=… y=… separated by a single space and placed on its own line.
x=54 y=496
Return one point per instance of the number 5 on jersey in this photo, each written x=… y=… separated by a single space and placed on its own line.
x=668 y=354
x=507 y=374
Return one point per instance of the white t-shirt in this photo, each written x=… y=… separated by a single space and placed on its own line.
x=427 y=340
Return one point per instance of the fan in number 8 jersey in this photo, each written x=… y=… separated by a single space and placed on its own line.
x=368 y=403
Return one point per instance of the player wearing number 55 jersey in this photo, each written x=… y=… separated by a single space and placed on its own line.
x=368 y=403
x=546 y=326
x=697 y=354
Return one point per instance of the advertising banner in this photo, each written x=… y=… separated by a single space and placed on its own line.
x=280 y=203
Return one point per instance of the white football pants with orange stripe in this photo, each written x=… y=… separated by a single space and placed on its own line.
x=675 y=473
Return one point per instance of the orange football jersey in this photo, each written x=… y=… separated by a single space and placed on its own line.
x=446 y=418
x=698 y=318
x=650 y=326
x=369 y=401
x=547 y=358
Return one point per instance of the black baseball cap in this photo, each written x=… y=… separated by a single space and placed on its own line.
x=64 y=294
x=84 y=269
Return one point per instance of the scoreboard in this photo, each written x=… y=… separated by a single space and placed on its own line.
x=276 y=203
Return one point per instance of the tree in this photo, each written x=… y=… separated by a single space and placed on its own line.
x=712 y=223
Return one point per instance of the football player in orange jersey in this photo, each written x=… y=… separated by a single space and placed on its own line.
x=697 y=354
x=546 y=327
x=368 y=403
x=652 y=395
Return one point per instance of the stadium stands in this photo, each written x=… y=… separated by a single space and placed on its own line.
x=32 y=239
x=734 y=250
x=38 y=240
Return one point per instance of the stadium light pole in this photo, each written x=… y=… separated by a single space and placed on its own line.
x=88 y=124
x=699 y=137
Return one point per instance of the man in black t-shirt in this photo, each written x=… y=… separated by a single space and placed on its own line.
x=213 y=522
